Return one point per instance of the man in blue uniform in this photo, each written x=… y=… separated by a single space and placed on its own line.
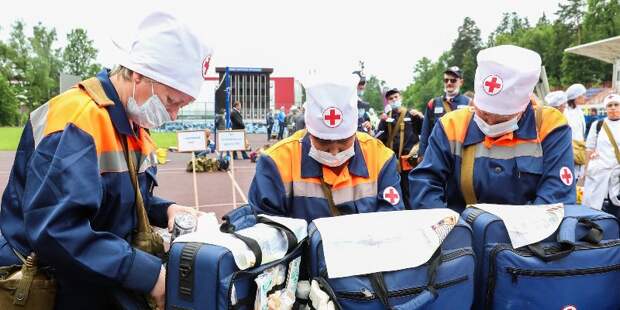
x=328 y=169
x=71 y=199
x=439 y=106
x=504 y=150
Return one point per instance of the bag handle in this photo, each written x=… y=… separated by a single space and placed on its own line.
x=253 y=244
x=566 y=239
x=426 y=297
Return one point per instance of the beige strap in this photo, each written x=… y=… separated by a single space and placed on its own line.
x=538 y=112
x=327 y=191
x=95 y=90
x=143 y=221
x=144 y=238
x=391 y=132
x=467 y=170
x=467 y=174
x=612 y=140
x=446 y=106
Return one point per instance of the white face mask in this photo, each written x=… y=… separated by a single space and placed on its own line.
x=396 y=104
x=151 y=114
x=330 y=160
x=497 y=130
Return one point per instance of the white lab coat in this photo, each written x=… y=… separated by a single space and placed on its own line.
x=577 y=122
x=603 y=174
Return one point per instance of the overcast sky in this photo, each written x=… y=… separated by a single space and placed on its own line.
x=290 y=36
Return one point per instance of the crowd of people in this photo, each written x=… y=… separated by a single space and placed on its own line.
x=80 y=194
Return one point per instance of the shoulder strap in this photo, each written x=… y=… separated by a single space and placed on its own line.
x=538 y=116
x=144 y=238
x=93 y=87
x=401 y=125
x=392 y=132
x=446 y=106
x=327 y=191
x=467 y=170
x=612 y=140
x=599 y=125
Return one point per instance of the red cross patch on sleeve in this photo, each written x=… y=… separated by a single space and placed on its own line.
x=566 y=175
x=391 y=195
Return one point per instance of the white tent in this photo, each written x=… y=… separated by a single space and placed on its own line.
x=607 y=50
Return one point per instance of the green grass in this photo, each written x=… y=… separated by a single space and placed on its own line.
x=9 y=138
x=164 y=139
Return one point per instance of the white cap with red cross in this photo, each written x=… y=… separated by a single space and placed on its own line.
x=505 y=78
x=331 y=109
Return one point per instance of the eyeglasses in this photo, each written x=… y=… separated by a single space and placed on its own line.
x=613 y=105
x=450 y=80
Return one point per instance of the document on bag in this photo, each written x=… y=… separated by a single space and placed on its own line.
x=382 y=241
x=527 y=224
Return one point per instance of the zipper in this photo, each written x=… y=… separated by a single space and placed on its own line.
x=516 y=272
x=367 y=295
x=491 y=278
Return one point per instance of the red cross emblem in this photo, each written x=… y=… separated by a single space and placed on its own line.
x=566 y=175
x=332 y=117
x=492 y=85
x=205 y=66
x=391 y=195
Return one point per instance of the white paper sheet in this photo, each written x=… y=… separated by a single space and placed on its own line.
x=382 y=241
x=527 y=224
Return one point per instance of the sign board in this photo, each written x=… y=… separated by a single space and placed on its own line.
x=191 y=141
x=230 y=140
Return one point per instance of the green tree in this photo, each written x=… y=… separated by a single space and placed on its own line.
x=373 y=93
x=80 y=54
x=9 y=115
x=571 y=14
x=464 y=50
x=427 y=82
x=18 y=58
x=43 y=75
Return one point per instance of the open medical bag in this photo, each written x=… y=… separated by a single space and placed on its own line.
x=206 y=276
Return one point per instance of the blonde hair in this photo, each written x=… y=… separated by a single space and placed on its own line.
x=124 y=72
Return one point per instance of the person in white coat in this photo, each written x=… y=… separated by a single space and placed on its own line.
x=602 y=184
x=576 y=95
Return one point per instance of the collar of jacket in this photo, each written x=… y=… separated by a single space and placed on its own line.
x=526 y=131
x=310 y=168
x=455 y=101
x=116 y=110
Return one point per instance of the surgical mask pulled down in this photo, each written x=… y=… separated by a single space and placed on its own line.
x=329 y=159
x=452 y=93
x=151 y=114
x=497 y=130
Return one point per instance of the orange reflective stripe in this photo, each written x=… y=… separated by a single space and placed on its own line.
x=76 y=107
